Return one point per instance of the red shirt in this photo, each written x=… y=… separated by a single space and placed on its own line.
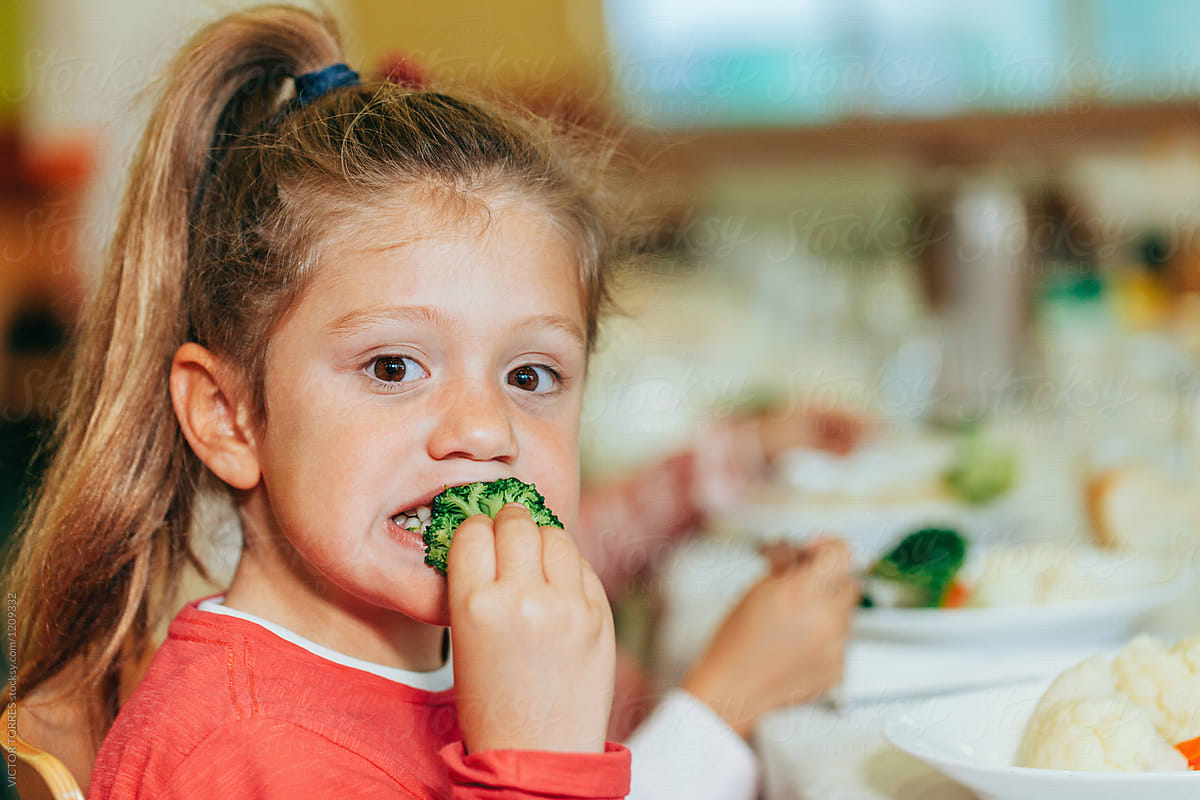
x=229 y=710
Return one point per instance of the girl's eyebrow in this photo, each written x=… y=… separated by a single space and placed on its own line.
x=356 y=321
x=556 y=322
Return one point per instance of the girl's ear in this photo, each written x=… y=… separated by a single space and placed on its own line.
x=214 y=410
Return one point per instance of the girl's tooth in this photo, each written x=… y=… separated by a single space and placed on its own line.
x=416 y=520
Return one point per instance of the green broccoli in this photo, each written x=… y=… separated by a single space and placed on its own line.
x=918 y=572
x=456 y=503
x=982 y=471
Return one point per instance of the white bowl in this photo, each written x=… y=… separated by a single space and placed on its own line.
x=973 y=739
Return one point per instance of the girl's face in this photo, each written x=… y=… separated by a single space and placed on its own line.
x=454 y=352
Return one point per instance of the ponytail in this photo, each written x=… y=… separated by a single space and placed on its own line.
x=103 y=546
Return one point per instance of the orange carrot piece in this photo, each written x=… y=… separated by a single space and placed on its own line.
x=956 y=596
x=1191 y=751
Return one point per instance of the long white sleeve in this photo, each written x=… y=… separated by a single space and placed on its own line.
x=684 y=750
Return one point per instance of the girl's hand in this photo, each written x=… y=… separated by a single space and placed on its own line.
x=533 y=638
x=818 y=427
x=732 y=455
x=785 y=641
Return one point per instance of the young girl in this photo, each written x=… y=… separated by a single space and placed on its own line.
x=335 y=302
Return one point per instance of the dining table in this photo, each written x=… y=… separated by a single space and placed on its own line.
x=835 y=748
x=840 y=753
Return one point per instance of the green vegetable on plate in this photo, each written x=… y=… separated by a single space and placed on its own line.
x=919 y=572
x=982 y=471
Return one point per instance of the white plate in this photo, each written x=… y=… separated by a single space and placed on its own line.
x=973 y=739
x=1093 y=619
x=872 y=469
x=868 y=525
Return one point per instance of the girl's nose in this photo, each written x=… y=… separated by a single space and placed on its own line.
x=473 y=423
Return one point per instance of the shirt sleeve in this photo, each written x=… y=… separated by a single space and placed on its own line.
x=288 y=762
x=684 y=750
x=524 y=774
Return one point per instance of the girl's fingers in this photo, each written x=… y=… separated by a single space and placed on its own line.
x=783 y=555
x=832 y=556
x=593 y=592
x=851 y=593
x=560 y=558
x=780 y=555
x=518 y=545
x=819 y=554
x=472 y=557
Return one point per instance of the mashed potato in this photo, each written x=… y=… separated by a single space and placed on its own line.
x=1033 y=575
x=1051 y=572
x=1125 y=715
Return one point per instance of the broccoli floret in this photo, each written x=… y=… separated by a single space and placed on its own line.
x=456 y=503
x=983 y=470
x=919 y=571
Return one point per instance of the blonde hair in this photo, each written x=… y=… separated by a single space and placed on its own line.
x=231 y=195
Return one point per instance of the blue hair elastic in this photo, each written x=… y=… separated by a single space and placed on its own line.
x=312 y=85
x=309 y=87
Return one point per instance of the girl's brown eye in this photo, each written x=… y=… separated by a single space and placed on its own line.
x=533 y=378
x=391 y=368
x=524 y=378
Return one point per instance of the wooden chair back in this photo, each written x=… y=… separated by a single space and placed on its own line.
x=50 y=777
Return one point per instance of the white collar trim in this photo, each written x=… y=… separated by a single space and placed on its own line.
x=437 y=680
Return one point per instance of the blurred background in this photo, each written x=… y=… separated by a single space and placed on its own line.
x=934 y=209
x=941 y=213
